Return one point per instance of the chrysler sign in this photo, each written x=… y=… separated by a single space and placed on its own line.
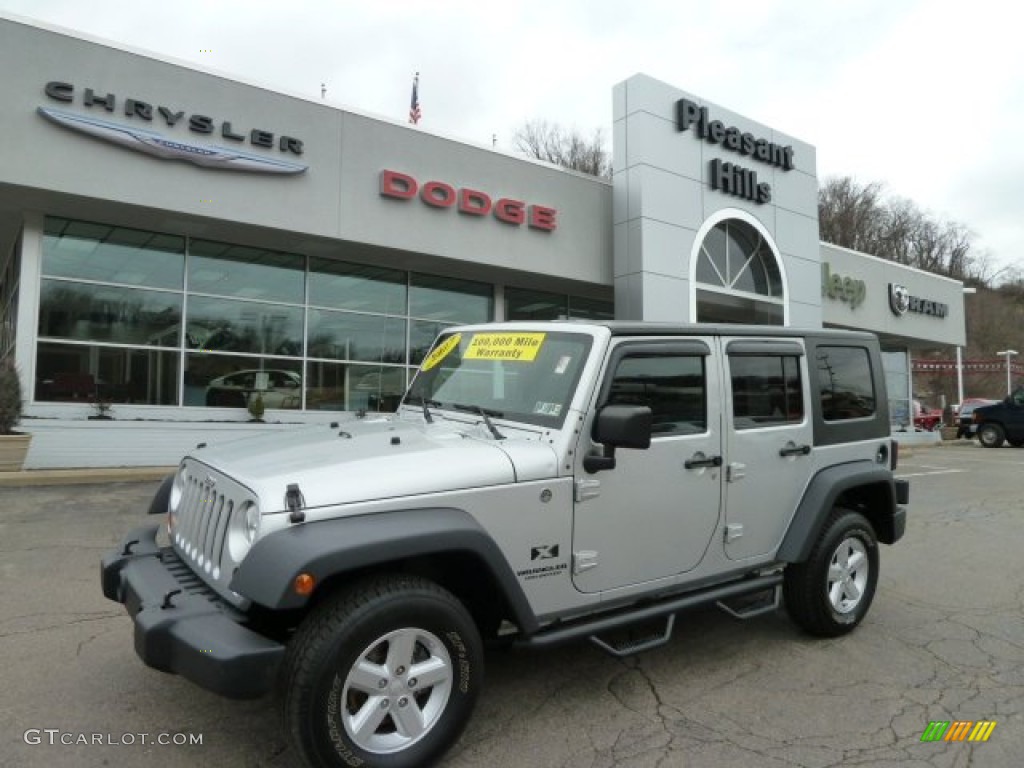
x=166 y=146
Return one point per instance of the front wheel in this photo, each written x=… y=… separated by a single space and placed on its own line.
x=830 y=593
x=384 y=674
x=991 y=435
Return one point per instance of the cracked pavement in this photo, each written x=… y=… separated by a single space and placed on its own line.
x=944 y=640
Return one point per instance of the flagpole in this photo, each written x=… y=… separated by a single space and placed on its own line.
x=414 y=104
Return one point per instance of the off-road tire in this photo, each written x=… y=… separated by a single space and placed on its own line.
x=819 y=592
x=991 y=435
x=351 y=645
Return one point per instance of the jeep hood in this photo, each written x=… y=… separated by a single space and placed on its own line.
x=376 y=459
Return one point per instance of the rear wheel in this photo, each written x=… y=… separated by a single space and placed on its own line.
x=384 y=674
x=830 y=593
x=991 y=435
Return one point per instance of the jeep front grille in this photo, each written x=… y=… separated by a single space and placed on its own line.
x=209 y=503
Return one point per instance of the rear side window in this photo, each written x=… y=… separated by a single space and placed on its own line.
x=671 y=386
x=766 y=390
x=845 y=383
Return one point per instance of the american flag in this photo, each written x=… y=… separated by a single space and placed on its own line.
x=414 y=107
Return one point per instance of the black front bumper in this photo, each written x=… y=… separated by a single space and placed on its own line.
x=183 y=627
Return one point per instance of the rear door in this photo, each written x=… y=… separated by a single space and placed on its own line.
x=768 y=435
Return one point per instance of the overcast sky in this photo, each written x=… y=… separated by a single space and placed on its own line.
x=926 y=96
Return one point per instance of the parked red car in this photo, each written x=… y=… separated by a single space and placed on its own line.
x=927 y=419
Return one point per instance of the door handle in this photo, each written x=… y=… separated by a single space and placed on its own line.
x=699 y=460
x=795 y=450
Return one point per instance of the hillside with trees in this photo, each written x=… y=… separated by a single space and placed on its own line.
x=865 y=218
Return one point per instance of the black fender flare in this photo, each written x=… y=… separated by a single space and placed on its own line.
x=327 y=548
x=820 y=498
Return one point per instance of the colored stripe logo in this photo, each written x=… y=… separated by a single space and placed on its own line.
x=958 y=730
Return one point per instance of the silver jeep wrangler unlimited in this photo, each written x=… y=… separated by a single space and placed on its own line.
x=539 y=483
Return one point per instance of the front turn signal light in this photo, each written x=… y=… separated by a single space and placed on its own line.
x=304 y=584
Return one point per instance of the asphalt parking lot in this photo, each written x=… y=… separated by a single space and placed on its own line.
x=943 y=641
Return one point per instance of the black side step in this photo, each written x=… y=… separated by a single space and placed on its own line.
x=752 y=604
x=568 y=631
x=622 y=648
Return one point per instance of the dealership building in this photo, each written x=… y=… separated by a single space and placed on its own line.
x=174 y=243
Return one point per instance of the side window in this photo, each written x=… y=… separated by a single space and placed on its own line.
x=766 y=390
x=845 y=383
x=672 y=386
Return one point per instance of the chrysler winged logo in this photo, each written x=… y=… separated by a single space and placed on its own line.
x=899 y=299
x=157 y=145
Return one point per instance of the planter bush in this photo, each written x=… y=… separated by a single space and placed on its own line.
x=13 y=445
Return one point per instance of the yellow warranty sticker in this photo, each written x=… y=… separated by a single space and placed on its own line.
x=441 y=352
x=505 y=346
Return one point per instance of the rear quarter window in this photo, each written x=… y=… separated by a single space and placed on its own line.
x=845 y=383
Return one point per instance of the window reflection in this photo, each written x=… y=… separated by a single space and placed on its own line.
x=85 y=373
x=445 y=298
x=112 y=254
x=845 y=383
x=354 y=286
x=230 y=381
x=216 y=325
x=350 y=336
x=349 y=387
x=251 y=273
x=89 y=312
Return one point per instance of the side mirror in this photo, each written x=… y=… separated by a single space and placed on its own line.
x=618 y=426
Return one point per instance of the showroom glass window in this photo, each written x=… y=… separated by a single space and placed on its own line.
x=528 y=304
x=110 y=312
x=143 y=317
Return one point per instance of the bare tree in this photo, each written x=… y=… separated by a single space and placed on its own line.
x=546 y=141
x=864 y=218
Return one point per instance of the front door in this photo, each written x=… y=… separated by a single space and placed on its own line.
x=768 y=436
x=654 y=514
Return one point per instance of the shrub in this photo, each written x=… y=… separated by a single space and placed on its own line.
x=10 y=398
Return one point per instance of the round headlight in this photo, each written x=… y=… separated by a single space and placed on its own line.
x=243 y=529
x=252 y=521
x=177 y=490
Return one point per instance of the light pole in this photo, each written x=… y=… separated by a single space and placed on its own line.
x=959 y=352
x=1009 y=353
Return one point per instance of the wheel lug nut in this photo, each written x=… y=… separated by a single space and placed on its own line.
x=385 y=704
x=382 y=683
x=412 y=682
x=403 y=701
x=400 y=671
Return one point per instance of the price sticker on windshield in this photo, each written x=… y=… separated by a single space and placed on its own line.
x=522 y=347
x=441 y=352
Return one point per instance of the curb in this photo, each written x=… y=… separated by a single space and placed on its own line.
x=83 y=476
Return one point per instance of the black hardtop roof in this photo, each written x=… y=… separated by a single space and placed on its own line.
x=650 y=328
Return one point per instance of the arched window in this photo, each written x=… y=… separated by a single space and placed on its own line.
x=738 y=277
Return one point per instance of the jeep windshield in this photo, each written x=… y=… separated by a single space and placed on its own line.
x=522 y=376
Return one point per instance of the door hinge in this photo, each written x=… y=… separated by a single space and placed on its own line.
x=733 y=531
x=735 y=471
x=583 y=561
x=587 y=488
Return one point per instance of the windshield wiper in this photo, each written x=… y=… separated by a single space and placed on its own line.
x=486 y=414
x=425 y=401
